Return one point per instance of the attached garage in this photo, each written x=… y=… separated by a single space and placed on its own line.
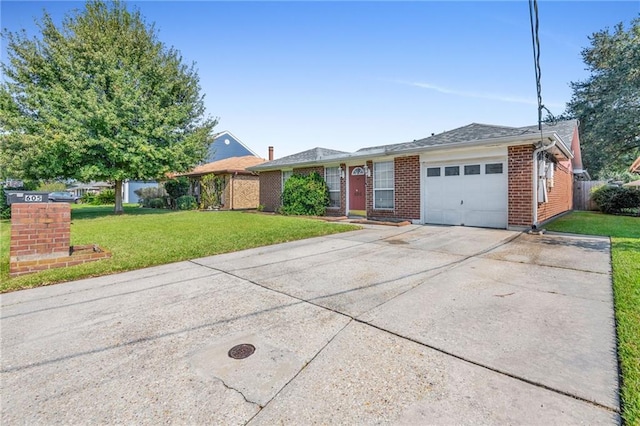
x=478 y=175
x=470 y=193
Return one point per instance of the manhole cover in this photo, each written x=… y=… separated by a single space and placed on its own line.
x=241 y=351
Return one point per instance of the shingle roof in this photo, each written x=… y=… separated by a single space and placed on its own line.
x=471 y=133
x=468 y=133
x=564 y=129
x=228 y=165
x=314 y=154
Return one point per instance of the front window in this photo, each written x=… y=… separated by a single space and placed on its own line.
x=383 y=185
x=332 y=178
x=286 y=174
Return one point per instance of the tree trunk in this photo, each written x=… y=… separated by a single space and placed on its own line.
x=118 y=209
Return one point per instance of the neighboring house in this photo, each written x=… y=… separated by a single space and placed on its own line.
x=224 y=145
x=239 y=187
x=476 y=175
x=79 y=189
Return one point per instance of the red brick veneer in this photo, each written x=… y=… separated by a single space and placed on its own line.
x=40 y=236
x=271 y=190
x=520 y=185
x=406 y=171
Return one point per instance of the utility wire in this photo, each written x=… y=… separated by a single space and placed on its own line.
x=535 y=41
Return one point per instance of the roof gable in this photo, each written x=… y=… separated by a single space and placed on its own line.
x=226 y=145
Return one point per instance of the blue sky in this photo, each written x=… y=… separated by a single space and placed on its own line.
x=345 y=75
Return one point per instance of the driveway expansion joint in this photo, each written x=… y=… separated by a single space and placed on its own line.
x=444 y=268
x=495 y=370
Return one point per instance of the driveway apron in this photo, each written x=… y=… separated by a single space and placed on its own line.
x=415 y=324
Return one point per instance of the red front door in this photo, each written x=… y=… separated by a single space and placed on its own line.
x=357 y=199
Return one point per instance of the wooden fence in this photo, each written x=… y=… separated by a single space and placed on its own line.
x=582 y=194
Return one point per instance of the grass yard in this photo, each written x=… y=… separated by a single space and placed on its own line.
x=625 y=256
x=147 y=237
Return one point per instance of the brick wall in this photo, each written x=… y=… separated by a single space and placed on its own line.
x=245 y=191
x=520 y=185
x=271 y=190
x=560 y=197
x=407 y=190
x=340 y=211
x=226 y=192
x=306 y=171
x=40 y=236
x=39 y=231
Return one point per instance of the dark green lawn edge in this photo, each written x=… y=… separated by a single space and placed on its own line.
x=624 y=233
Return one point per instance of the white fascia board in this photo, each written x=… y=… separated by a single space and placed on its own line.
x=383 y=154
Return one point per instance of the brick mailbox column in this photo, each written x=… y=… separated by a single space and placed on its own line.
x=40 y=231
x=40 y=239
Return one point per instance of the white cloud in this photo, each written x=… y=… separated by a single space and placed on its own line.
x=479 y=95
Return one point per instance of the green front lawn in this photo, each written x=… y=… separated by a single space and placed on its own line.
x=625 y=257
x=147 y=237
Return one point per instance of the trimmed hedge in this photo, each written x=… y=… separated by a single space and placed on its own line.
x=616 y=199
x=305 y=195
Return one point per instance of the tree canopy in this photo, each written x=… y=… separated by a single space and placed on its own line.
x=99 y=98
x=608 y=102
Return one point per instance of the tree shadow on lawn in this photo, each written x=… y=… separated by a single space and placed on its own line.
x=92 y=212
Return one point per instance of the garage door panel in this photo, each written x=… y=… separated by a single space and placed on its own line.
x=467 y=199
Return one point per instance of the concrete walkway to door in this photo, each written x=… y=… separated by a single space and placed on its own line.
x=418 y=324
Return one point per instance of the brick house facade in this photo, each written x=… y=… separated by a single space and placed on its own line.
x=472 y=150
x=240 y=188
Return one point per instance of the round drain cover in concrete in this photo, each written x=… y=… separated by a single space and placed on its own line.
x=242 y=351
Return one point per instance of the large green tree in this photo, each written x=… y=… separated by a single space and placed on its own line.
x=608 y=102
x=99 y=98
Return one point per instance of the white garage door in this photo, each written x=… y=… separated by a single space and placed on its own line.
x=470 y=194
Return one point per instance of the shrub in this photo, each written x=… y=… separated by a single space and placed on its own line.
x=305 y=195
x=106 y=196
x=52 y=186
x=177 y=187
x=89 y=198
x=616 y=199
x=186 y=202
x=145 y=195
x=157 y=203
x=211 y=187
x=5 y=209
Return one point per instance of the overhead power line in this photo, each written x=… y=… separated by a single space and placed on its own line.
x=535 y=40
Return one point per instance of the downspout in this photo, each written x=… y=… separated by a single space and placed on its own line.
x=536 y=179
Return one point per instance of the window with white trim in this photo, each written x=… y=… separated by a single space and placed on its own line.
x=383 y=185
x=286 y=174
x=332 y=178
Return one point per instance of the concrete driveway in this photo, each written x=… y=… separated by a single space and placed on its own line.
x=411 y=325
